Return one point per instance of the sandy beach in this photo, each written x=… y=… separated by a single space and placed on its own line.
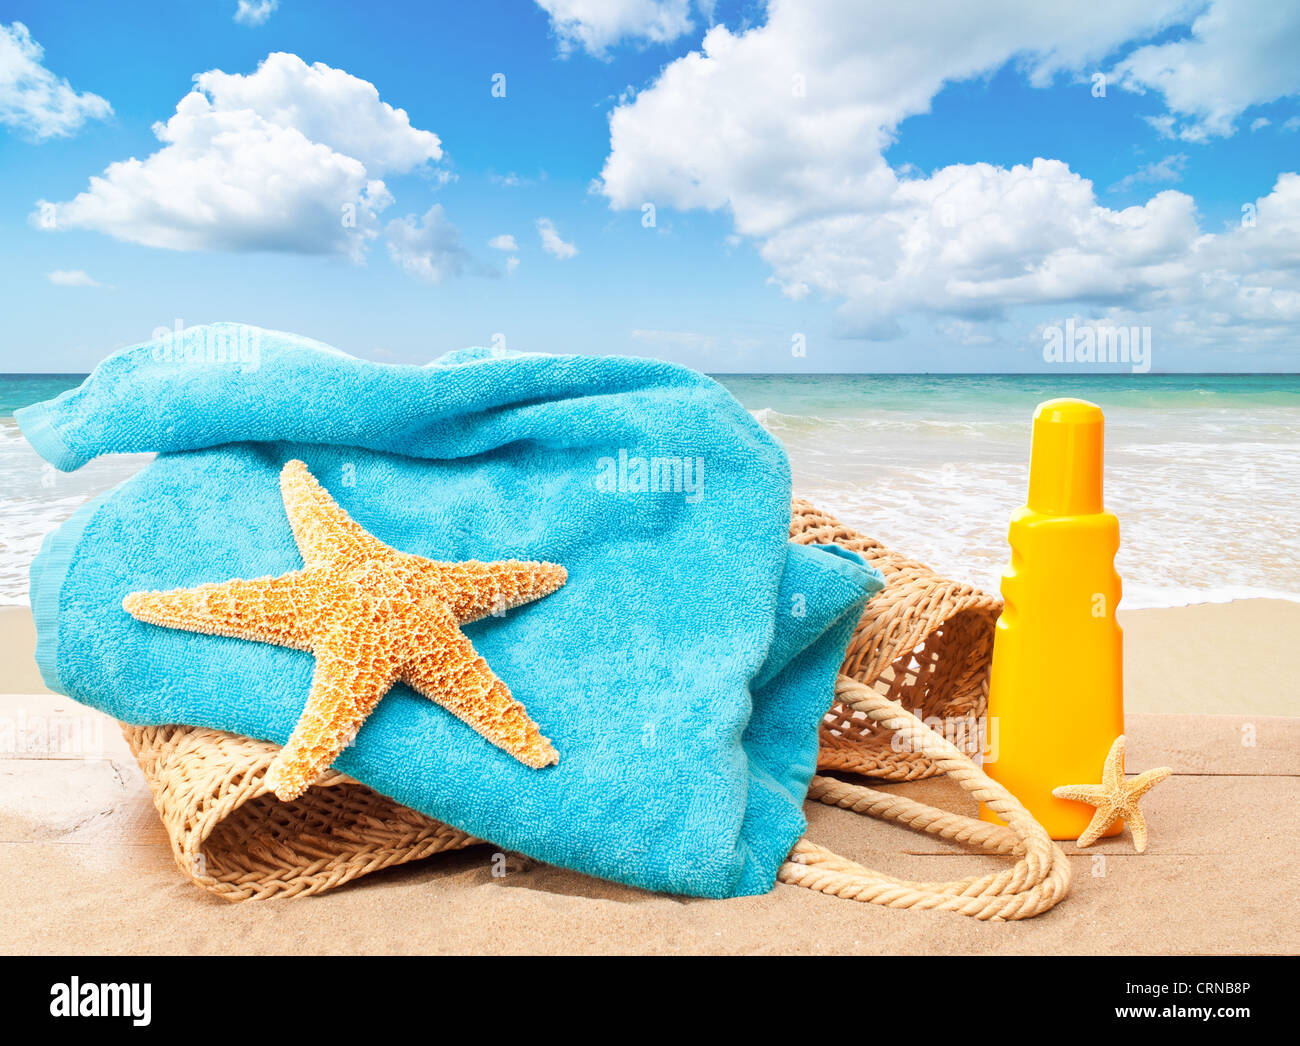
x=83 y=855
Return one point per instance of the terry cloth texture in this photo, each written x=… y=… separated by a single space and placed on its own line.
x=681 y=673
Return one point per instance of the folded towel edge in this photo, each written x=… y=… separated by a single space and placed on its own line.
x=36 y=425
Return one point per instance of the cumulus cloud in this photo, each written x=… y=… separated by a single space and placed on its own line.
x=429 y=248
x=34 y=100
x=72 y=278
x=790 y=119
x=326 y=105
x=255 y=12
x=287 y=158
x=784 y=126
x=1239 y=53
x=597 y=25
x=551 y=241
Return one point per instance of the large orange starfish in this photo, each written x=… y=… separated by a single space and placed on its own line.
x=373 y=616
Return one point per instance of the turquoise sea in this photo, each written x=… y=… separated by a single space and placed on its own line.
x=1202 y=470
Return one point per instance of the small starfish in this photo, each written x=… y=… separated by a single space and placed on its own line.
x=1116 y=798
x=373 y=616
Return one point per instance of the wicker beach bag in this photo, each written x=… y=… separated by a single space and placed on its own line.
x=924 y=642
x=921 y=651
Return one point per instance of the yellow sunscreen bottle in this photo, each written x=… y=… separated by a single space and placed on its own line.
x=1056 y=693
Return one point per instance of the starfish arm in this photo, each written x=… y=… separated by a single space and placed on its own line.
x=1090 y=794
x=1101 y=821
x=473 y=590
x=1137 y=825
x=354 y=669
x=1112 y=773
x=324 y=532
x=263 y=609
x=453 y=674
x=1146 y=781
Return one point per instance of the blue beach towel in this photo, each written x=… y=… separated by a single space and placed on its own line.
x=681 y=672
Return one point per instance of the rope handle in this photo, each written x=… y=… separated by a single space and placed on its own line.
x=1038 y=880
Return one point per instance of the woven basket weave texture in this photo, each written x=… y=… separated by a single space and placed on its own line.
x=925 y=642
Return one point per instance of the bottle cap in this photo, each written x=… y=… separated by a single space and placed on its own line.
x=1066 y=460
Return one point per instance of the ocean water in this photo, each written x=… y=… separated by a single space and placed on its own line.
x=36 y=497
x=1203 y=471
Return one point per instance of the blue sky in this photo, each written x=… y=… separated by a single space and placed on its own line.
x=854 y=181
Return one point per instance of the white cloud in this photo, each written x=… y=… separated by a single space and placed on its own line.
x=429 y=247
x=1170 y=169
x=32 y=99
x=784 y=126
x=598 y=25
x=1259 y=123
x=551 y=242
x=506 y=242
x=1292 y=124
x=72 y=278
x=255 y=12
x=790 y=118
x=328 y=106
x=286 y=158
x=973 y=239
x=1239 y=53
x=1163 y=125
